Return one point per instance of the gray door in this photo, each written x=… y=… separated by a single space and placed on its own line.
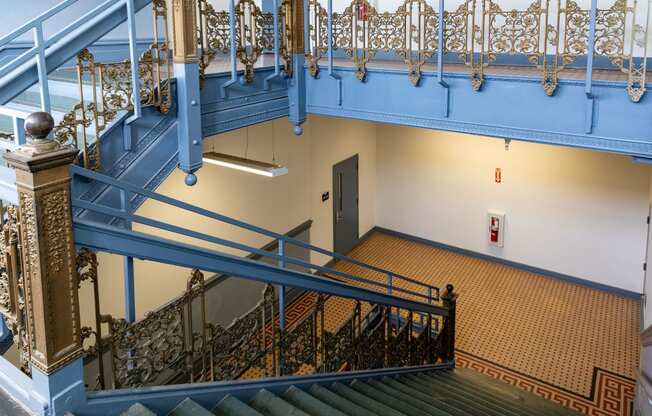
x=345 y=205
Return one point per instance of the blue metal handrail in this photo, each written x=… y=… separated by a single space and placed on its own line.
x=41 y=44
x=126 y=190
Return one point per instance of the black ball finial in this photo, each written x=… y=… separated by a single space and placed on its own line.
x=39 y=124
x=449 y=288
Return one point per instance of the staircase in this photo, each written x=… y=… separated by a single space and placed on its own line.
x=458 y=392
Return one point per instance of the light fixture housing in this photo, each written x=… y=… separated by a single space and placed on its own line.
x=269 y=170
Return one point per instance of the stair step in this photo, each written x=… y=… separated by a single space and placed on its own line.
x=364 y=401
x=231 y=406
x=404 y=407
x=138 y=410
x=492 y=406
x=339 y=402
x=309 y=403
x=468 y=406
x=271 y=405
x=506 y=392
x=401 y=397
x=455 y=409
x=189 y=408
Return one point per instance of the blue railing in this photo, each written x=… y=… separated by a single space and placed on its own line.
x=422 y=291
x=41 y=44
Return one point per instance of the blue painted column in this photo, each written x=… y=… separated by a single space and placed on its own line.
x=186 y=71
x=297 y=84
x=588 y=87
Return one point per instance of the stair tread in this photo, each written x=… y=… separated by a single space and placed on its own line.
x=400 y=396
x=505 y=391
x=189 y=408
x=491 y=405
x=404 y=407
x=365 y=401
x=339 y=402
x=138 y=410
x=309 y=403
x=455 y=410
x=269 y=404
x=232 y=406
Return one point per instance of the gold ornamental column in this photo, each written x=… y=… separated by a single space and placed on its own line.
x=43 y=186
x=184 y=29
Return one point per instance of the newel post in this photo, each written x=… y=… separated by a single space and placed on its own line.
x=48 y=258
x=449 y=299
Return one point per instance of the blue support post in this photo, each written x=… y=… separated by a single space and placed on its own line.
x=440 y=59
x=588 y=89
x=331 y=73
x=189 y=119
x=281 y=289
x=297 y=84
x=64 y=389
x=41 y=67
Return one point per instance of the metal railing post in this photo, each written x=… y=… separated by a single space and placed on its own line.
x=39 y=44
x=281 y=289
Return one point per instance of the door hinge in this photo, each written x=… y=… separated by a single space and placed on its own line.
x=644 y=267
x=648 y=220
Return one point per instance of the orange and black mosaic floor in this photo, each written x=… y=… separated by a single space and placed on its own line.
x=572 y=344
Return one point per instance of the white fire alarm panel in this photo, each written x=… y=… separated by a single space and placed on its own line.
x=496 y=228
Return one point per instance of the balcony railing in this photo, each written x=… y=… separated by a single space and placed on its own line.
x=545 y=38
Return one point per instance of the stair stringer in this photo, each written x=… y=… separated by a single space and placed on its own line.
x=151 y=160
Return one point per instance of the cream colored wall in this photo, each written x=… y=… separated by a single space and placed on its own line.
x=278 y=204
x=571 y=211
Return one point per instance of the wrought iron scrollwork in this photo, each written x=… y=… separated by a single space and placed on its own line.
x=12 y=283
x=341 y=347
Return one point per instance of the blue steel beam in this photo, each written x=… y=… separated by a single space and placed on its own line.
x=131 y=243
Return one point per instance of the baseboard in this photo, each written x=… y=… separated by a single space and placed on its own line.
x=521 y=266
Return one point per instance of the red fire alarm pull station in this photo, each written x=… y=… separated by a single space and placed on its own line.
x=496 y=228
x=498 y=175
x=362 y=12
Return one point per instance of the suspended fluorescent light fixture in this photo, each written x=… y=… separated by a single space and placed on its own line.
x=246 y=165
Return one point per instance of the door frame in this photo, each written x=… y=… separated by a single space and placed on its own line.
x=356 y=157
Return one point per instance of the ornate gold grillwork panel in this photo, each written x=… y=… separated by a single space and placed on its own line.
x=254 y=34
x=12 y=283
x=549 y=34
x=105 y=90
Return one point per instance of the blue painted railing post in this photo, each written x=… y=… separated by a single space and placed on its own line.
x=281 y=289
x=277 y=52
x=588 y=89
x=48 y=254
x=297 y=84
x=331 y=73
x=135 y=84
x=186 y=71
x=440 y=59
x=129 y=286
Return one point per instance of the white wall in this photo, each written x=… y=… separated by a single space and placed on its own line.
x=571 y=211
x=278 y=204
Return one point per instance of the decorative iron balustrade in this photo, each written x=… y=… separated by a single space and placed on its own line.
x=105 y=90
x=550 y=35
x=12 y=282
x=254 y=34
x=176 y=343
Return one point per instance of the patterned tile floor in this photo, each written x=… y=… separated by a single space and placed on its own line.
x=575 y=345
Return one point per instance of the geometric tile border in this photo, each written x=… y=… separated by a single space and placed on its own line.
x=611 y=394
